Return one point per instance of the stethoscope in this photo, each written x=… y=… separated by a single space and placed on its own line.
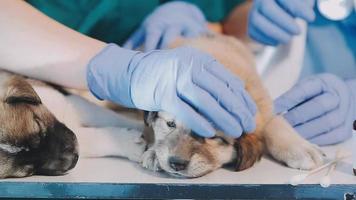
x=336 y=9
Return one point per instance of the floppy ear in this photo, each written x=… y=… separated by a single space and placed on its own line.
x=19 y=91
x=148 y=133
x=149 y=117
x=249 y=149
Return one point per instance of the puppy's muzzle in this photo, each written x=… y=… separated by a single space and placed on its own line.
x=177 y=163
x=58 y=151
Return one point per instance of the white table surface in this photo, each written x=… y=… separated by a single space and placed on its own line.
x=117 y=170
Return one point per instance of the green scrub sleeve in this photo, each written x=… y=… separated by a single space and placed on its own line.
x=113 y=21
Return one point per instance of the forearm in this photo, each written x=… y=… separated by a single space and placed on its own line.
x=34 y=45
x=237 y=21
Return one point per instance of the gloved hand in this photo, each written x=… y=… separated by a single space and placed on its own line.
x=321 y=108
x=273 y=21
x=185 y=82
x=167 y=23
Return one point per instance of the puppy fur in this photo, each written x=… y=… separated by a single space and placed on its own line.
x=32 y=140
x=273 y=135
x=37 y=123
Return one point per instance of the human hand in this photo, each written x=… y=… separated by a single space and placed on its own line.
x=321 y=108
x=272 y=22
x=185 y=82
x=166 y=23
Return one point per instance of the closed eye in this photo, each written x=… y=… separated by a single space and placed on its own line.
x=220 y=139
x=197 y=137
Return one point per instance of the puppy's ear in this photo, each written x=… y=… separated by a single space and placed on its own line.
x=149 y=117
x=249 y=149
x=21 y=92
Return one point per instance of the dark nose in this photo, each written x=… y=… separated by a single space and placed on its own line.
x=74 y=161
x=177 y=163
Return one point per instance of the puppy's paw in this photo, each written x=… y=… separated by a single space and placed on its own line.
x=286 y=146
x=150 y=161
x=304 y=156
x=137 y=149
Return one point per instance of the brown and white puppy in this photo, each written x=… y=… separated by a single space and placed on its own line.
x=32 y=140
x=182 y=153
x=178 y=151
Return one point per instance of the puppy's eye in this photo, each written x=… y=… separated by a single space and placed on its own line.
x=171 y=124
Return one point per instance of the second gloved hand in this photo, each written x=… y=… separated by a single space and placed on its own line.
x=185 y=82
x=321 y=108
x=167 y=23
x=273 y=21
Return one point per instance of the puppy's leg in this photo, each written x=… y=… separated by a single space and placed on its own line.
x=285 y=145
x=92 y=115
x=111 y=141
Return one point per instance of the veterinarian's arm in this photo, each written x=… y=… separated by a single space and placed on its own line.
x=34 y=45
x=185 y=82
x=236 y=22
x=321 y=108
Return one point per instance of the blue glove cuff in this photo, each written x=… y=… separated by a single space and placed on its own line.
x=109 y=74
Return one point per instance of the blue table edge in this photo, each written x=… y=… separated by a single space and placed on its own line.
x=84 y=190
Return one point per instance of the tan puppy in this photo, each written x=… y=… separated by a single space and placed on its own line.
x=32 y=140
x=178 y=151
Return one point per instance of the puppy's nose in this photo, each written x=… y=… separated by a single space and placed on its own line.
x=177 y=163
x=74 y=161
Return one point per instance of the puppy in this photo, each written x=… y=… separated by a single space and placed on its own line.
x=37 y=123
x=32 y=140
x=175 y=149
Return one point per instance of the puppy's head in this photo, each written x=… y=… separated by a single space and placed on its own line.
x=32 y=141
x=182 y=153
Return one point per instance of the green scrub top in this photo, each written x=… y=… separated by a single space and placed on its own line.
x=115 y=20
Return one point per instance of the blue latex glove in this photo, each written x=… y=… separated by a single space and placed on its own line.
x=273 y=22
x=185 y=82
x=167 y=23
x=321 y=108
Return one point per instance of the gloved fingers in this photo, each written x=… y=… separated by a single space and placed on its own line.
x=280 y=17
x=233 y=103
x=152 y=38
x=299 y=8
x=269 y=29
x=207 y=106
x=260 y=36
x=186 y=114
x=313 y=108
x=169 y=35
x=233 y=82
x=322 y=124
x=335 y=136
x=136 y=40
x=302 y=91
